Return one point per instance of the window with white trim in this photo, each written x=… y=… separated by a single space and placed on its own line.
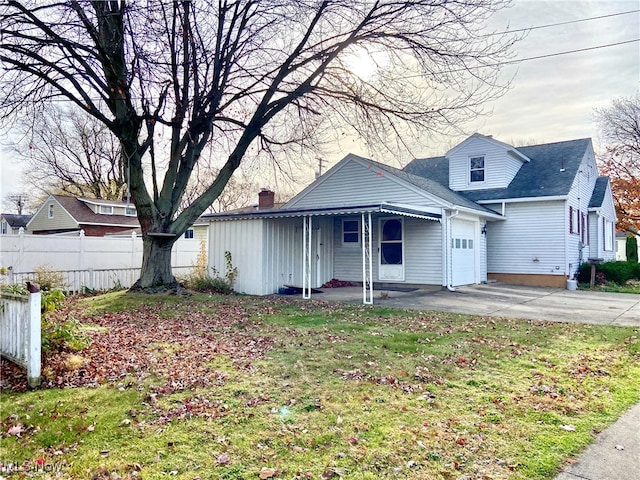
x=608 y=234
x=188 y=233
x=350 y=231
x=574 y=220
x=106 y=209
x=4 y=227
x=130 y=211
x=476 y=169
x=51 y=210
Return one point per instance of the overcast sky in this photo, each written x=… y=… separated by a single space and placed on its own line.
x=551 y=99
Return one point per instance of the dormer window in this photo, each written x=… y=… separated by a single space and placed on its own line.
x=476 y=169
x=130 y=211
x=106 y=209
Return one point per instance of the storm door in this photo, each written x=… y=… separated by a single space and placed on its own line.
x=391 y=266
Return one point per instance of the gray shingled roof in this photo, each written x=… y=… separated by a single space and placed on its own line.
x=550 y=172
x=16 y=221
x=597 y=197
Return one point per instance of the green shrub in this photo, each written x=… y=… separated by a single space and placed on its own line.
x=66 y=335
x=15 y=289
x=616 y=272
x=631 y=248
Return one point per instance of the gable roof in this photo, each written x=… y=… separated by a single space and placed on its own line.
x=550 y=171
x=431 y=186
x=82 y=214
x=513 y=152
x=599 y=190
x=16 y=221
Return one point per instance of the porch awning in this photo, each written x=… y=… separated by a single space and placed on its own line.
x=416 y=211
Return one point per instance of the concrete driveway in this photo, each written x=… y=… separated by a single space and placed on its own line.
x=496 y=299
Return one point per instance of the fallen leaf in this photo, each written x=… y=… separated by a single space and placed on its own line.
x=223 y=459
x=568 y=428
x=15 y=430
x=267 y=473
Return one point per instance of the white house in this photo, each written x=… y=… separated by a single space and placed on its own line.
x=10 y=224
x=485 y=210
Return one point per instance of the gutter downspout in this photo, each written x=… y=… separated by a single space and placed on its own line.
x=449 y=250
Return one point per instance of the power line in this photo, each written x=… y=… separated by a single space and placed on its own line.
x=565 y=23
x=578 y=50
x=537 y=57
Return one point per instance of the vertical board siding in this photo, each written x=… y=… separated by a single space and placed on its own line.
x=533 y=230
x=243 y=239
x=358 y=185
x=282 y=238
x=500 y=167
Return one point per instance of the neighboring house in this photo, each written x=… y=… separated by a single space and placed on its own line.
x=485 y=210
x=61 y=214
x=10 y=224
x=621 y=244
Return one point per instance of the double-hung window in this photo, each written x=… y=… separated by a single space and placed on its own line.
x=350 y=231
x=476 y=169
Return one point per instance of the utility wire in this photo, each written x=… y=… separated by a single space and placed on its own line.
x=538 y=57
x=536 y=27
x=565 y=53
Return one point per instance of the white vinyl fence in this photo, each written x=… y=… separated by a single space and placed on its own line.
x=20 y=339
x=90 y=280
x=86 y=263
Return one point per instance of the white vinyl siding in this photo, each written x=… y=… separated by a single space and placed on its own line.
x=499 y=167
x=423 y=253
x=596 y=233
x=530 y=241
x=353 y=184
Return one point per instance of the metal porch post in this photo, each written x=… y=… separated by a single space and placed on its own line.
x=367 y=262
x=306 y=256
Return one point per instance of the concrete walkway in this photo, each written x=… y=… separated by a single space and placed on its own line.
x=615 y=453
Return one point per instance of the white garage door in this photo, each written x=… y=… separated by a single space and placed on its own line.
x=463 y=249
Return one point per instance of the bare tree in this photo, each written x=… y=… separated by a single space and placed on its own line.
x=244 y=78
x=70 y=152
x=619 y=126
x=238 y=193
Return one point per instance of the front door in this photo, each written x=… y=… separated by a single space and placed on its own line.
x=391 y=261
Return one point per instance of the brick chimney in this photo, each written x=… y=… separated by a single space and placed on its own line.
x=266 y=198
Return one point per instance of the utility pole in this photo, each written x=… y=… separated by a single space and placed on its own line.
x=319 y=172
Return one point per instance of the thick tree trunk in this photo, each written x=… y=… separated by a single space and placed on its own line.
x=156 y=265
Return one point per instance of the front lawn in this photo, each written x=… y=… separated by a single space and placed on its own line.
x=211 y=387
